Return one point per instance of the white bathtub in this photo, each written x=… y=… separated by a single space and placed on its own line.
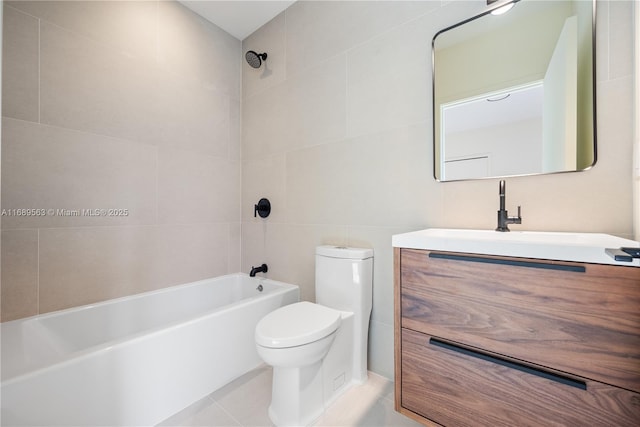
x=136 y=360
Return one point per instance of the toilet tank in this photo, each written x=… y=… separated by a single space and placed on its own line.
x=344 y=278
x=344 y=281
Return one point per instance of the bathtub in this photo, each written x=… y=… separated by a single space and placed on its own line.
x=134 y=361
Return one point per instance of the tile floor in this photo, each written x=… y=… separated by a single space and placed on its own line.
x=244 y=402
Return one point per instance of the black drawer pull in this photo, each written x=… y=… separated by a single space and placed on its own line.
x=509 y=364
x=547 y=266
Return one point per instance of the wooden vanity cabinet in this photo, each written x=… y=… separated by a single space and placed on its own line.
x=490 y=340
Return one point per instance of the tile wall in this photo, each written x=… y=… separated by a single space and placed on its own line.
x=133 y=106
x=337 y=133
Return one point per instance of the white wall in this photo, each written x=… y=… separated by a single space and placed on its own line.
x=337 y=134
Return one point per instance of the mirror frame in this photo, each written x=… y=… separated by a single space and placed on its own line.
x=491 y=8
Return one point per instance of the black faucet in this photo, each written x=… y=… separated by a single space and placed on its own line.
x=262 y=269
x=503 y=216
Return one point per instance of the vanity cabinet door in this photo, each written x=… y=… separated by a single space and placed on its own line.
x=457 y=386
x=578 y=318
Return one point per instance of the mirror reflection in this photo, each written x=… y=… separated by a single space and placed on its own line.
x=513 y=94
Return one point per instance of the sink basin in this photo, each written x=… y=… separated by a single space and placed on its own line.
x=579 y=247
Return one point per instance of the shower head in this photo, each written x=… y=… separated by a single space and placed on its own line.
x=255 y=59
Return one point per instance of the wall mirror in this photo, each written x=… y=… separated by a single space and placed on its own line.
x=514 y=94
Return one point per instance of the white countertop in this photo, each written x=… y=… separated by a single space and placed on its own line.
x=578 y=247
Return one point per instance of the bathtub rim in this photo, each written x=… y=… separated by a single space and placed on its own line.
x=282 y=288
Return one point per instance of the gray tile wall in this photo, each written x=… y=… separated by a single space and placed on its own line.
x=128 y=105
x=337 y=133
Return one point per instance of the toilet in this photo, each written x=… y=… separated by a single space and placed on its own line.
x=319 y=350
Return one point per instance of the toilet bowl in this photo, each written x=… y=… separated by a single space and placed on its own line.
x=318 y=350
x=296 y=349
x=297 y=335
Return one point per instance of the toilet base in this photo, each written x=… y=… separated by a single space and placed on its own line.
x=301 y=394
x=297 y=395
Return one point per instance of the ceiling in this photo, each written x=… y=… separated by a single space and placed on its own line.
x=239 y=18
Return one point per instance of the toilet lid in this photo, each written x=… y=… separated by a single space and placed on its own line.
x=296 y=324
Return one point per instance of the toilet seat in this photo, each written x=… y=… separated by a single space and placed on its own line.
x=297 y=324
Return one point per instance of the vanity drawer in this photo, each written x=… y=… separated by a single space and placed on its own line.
x=578 y=318
x=458 y=386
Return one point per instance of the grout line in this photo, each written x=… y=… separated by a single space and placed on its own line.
x=125 y=225
x=157 y=195
x=229 y=414
x=93 y=133
x=608 y=15
x=346 y=97
x=39 y=71
x=286 y=33
x=38 y=273
x=157 y=32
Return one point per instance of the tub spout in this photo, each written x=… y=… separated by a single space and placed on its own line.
x=262 y=269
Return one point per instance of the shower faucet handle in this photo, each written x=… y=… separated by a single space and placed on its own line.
x=263 y=208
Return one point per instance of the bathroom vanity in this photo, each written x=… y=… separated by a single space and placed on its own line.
x=503 y=329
